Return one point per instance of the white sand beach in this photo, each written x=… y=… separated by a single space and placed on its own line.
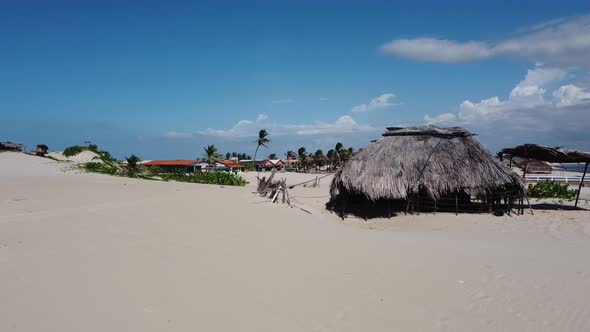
x=88 y=252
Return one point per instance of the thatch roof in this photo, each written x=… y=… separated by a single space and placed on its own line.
x=438 y=160
x=532 y=165
x=546 y=153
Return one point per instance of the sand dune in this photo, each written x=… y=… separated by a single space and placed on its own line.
x=84 y=252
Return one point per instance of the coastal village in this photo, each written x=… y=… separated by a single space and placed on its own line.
x=486 y=183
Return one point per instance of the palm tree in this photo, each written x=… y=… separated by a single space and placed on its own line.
x=318 y=158
x=291 y=154
x=332 y=157
x=302 y=157
x=261 y=141
x=132 y=164
x=272 y=156
x=301 y=152
x=211 y=154
x=338 y=157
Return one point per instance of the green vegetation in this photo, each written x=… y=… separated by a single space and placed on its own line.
x=551 y=189
x=238 y=155
x=102 y=168
x=77 y=149
x=132 y=165
x=261 y=141
x=221 y=178
x=211 y=155
x=74 y=150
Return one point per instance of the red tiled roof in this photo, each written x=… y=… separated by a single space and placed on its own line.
x=172 y=162
x=230 y=163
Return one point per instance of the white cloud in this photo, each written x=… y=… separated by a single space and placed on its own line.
x=179 y=134
x=536 y=78
x=246 y=128
x=441 y=119
x=283 y=101
x=261 y=117
x=382 y=101
x=529 y=114
x=441 y=50
x=557 y=42
x=571 y=95
x=344 y=124
x=240 y=129
x=527 y=94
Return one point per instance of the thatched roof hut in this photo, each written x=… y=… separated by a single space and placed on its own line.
x=427 y=165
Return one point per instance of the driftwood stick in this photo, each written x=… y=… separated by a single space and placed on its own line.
x=276 y=194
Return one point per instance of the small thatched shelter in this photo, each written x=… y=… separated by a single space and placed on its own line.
x=532 y=166
x=424 y=169
x=552 y=155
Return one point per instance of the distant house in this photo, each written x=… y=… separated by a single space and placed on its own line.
x=41 y=150
x=255 y=163
x=167 y=166
x=10 y=146
x=267 y=164
x=190 y=166
x=273 y=163
x=230 y=165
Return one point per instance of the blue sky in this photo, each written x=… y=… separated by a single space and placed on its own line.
x=162 y=79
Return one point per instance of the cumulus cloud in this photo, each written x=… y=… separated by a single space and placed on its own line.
x=382 y=101
x=571 y=95
x=530 y=93
x=529 y=111
x=246 y=128
x=557 y=42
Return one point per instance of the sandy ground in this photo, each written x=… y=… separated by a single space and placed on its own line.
x=84 y=252
x=82 y=157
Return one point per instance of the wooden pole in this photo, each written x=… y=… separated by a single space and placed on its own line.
x=388 y=209
x=522 y=198
x=456 y=205
x=580 y=186
x=529 y=203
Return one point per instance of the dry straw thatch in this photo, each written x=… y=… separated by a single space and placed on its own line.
x=437 y=162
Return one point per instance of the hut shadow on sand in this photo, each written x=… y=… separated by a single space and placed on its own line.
x=425 y=169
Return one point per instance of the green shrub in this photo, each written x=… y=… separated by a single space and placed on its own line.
x=74 y=150
x=103 y=155
x=220 y=178
x=93 y=167
x=551 y=189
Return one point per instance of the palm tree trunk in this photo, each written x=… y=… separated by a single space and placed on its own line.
x=254 y=161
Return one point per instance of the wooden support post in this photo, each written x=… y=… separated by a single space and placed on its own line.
x=580 y=186
x=529 y=203
x=389 y=208
x=456 y=205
